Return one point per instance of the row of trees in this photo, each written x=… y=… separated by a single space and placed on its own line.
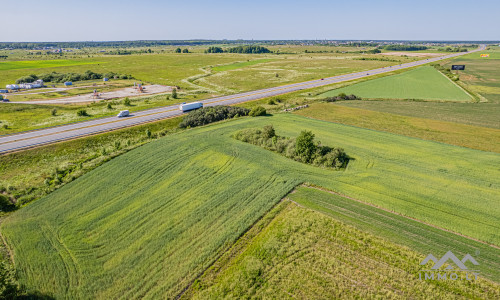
x=405 y=47
x=456 y=49
x=303 y=148
x=63 y=77
x=239 y=49
x=207 y=115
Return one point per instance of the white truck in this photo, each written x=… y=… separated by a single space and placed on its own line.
x=123 y=113
x=190 y=106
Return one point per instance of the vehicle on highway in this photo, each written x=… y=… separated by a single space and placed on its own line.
x=190 y=106
x=322 y=78
x=123 y=113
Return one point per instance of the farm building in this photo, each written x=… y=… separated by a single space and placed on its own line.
x=4 y=91
x=68 y=83
x=105 y=79
x=12 y=86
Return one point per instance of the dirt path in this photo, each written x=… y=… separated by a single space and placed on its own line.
x=126 y=92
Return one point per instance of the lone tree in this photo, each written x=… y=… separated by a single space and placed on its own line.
x=185 y=50
x=178 y=50
x=174 y=93
x=304 y=146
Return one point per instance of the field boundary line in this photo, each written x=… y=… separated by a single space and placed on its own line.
x=457 y=85
x=7 y=248
x=396 y=213
x=240 y=243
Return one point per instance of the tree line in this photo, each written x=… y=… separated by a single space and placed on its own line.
x=405 y=47
x=239 y=49
x=63 y=77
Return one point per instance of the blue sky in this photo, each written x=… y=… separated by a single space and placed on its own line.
x=87 y=20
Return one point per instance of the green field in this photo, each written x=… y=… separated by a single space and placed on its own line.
x=42 y=64
x=494 y=53
x=301 y=254
x=399 y=229
x=424 y=83
x=148 y=222
x=480 y=76
x=475 y=137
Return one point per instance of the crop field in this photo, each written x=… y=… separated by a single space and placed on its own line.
x=398 y=229
x=168 y=209
x=303 y=254
x=425 y=83
x=475 y=137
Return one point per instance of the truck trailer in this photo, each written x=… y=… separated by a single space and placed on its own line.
x=190 y=106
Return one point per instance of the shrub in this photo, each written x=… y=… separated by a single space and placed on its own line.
x=82 y=113
x=341 y=97
x=148 y=133
x=271 y=102
x=305 y=147
x=126 y=101
x=258 y=111
x=174 y=94
x=5 y=203
x=109 y=106
x=53 y=112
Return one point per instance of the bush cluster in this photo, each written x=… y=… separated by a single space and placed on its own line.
x=207 y=115
x=341 y=97
x=258 y=111
x=447 y=72
x=63 y=77
x=303 y=148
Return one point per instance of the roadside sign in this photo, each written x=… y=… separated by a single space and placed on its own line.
x=485 y=55
x=458 y=67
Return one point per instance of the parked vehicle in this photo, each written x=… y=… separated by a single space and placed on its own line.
x=123 y=113
x=190 y=106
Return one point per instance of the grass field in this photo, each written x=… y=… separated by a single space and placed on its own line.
x=288 y=69
x=167 y=69
x=480 y=76
x=239 y=65
x=303 y=254
x=475 y=137
x=424 y=83
x=416 y=236
x=42 y=64
x=168 y=209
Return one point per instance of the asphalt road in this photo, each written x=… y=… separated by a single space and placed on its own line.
x=34 y=138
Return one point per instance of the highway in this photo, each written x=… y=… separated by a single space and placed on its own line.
x=34 y=138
